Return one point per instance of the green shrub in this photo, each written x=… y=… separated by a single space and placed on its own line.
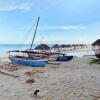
x=95 y=61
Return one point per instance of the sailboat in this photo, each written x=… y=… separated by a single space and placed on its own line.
x=29 y=57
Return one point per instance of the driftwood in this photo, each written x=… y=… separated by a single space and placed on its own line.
x=8 y=73
x=54 y=63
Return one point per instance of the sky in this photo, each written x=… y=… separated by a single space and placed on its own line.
x=61 y=21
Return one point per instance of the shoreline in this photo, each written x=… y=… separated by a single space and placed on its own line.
x=63 y=52
x=79 y=50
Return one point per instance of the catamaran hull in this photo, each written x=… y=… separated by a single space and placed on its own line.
x=64 y=58
x=32 y=63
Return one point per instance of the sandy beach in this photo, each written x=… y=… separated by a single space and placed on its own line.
x=49 y=49
x=73 y=80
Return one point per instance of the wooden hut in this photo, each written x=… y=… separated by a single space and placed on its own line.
x=96 y=48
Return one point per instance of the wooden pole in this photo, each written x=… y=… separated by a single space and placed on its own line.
x=35 y=32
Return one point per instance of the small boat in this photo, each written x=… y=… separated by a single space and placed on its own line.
x=28 y=58
x=64 y=58
x=29 y=62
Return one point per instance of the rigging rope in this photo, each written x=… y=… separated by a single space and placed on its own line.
x=27 y=35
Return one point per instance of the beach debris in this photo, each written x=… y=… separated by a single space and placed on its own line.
x=28 y=73
x=31 y=72
x=54 y=63
x=55 y=67
x=38 y=93
x=42 y=70
x=34 y=71
x=30 y=81
x=9 y=73
x=97 y=98
x=36 y=75
x=9 y=67
x=13 y=67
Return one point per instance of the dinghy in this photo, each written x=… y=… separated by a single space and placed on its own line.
x=64 y=58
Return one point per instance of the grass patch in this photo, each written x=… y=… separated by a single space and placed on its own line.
x=95 y=61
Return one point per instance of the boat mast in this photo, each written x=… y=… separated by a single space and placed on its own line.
x=35 y=32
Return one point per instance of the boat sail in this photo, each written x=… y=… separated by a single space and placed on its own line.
x=30 y=57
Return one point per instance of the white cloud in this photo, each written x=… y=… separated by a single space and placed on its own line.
x=26 y=6
x=67 y=27
x=11 y=6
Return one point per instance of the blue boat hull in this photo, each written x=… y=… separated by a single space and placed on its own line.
x=32 y=63
x=64 y=58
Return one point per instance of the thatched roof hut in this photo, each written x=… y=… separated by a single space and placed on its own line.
x=68 y=45
x=42 y=47
x=96 y=47
x=96 y=43
x=63 y=46
x=56 y=46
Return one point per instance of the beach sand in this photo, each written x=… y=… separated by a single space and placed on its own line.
x=72 y=80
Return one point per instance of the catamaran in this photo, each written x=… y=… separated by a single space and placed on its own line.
x=29 y=57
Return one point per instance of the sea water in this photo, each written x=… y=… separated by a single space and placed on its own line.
x=5 y=48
